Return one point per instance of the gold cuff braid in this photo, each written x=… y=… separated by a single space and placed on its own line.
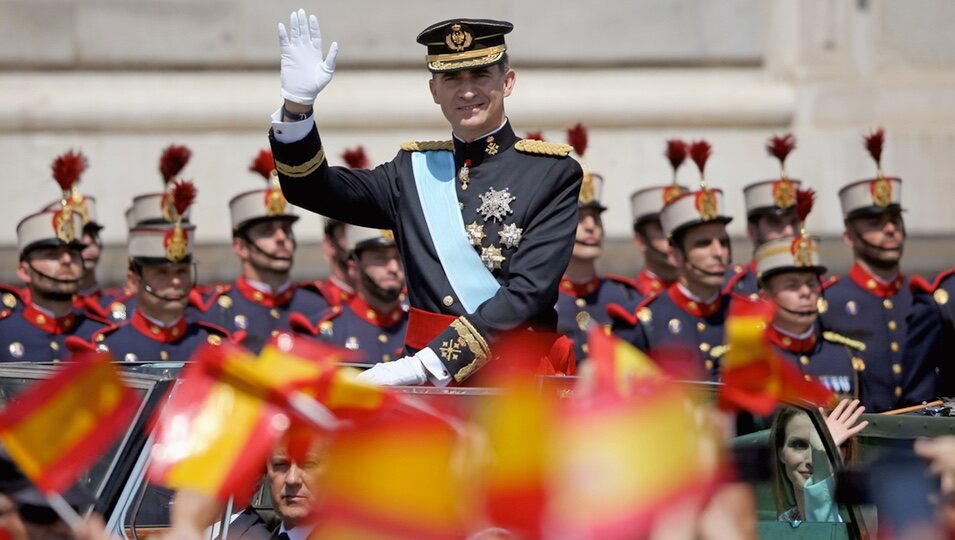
x=303 y=170
x=476 y=344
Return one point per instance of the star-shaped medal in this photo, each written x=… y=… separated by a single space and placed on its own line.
x=510 y=235
x=495 y=204
x=475 y=233
x=492 y=258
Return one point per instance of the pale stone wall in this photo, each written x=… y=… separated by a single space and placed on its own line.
x=121 y=80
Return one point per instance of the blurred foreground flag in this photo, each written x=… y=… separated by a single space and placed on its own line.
x=58 y=427
x=618 y=366
x=755 y=377
x=623 y=461
x=403 y=475
x=211 y=436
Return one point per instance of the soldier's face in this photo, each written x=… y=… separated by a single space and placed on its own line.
x=273 y=237
x=92 y=251
x=706 y=253
x=169 y=285
x=590 y=235
x=796 y=294
x=772 y=226
x=879 y=239
x=62 y=263
x=290 y=485
x=473 y=100
x=653 y=243
x=379 y=273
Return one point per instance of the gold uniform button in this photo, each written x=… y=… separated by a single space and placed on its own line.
x=382 y=338
x=224 y=302
x=700 y=327
x=100 y=338
x=163 y=355
x=9 y=300
x=175 y=332
x=892 y=325
x=894 y=346
x=644 y=314
x=447 y=301
x=807 y=377
x=708 y=364
x=705 y=347
x=858 y=364
x=274 y=313
x=787 y=342
x=898 y=391
x=40 y=319
x=897 y=369
x=870 y=284
x=822 y=305
x=54 y=345
x=371 y=314
x=214 y=340
x=804 y=360
x=887 y=303
x=154 y=330
x=580 y=302
x=692 y=305
x=940 y=296
x=257 y=296
x=386 y=358
x=585 y=348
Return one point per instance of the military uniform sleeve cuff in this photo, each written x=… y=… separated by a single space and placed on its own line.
x=290 y=132
x=434 y=368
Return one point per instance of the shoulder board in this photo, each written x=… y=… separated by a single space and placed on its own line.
x=96 y=317
x=203 y=297
x=100 y=334
x=427 y=146
x=940 y=278
x=735 y=278
x=843 y=340
x=544 y=148
x=10 y=296
x=829 y=282
x=623 y=280
x=646 y=301
x=315 y=287
x=330 y=313
x=919 y=284
x=213 y=329
x=76 y=344
x=619 y=313
x=736 y=297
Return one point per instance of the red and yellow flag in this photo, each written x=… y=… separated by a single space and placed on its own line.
x=617 y=365
x=755 y=378
x=60 y=426
x=211 y=436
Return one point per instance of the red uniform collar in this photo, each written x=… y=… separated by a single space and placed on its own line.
x=263 y=298
x=579 y=290
x=48 y=323
x=691 y=306
x=335 y=292
x=789 y=343
x=155 y=332
x=374 y=317
x=649 y=283
x=874 y=285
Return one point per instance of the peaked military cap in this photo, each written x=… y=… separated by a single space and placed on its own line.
x=359 y=238
x=162 y=244
x=458 y=44
x=50 y=228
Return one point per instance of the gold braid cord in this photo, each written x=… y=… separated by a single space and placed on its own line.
x=843 y=340
x=533 y=146
x=476 y=344
x=303 y=170
x=426 y=146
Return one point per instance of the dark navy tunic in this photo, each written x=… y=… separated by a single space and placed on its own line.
x=29 y=335
x=930 y=343
x=581 y=305
x=355 y=325
x=822 y=356
x=139 y=340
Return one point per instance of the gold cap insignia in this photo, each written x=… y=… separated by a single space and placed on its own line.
x=177 y=244
x=672 y=192
x=275 y=202
x=63 y=225
x=881 y=190
x=706 y=205
x=78 y=203
x=458 y=37
x=587 y=189
x=386 y=234
x=801 y=249
x=784 y=196
x=169 y=212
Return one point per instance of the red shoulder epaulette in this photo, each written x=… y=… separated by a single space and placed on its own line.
x=829 y=282
x=76 y=344
x=314 y=286
x=623 y=280
x=202 y=297
x=101 y=319
x=731 y=282
x=91 y=306
x=919 y=284
x=939 y=278
x=212 y=328
x=620 y=313
x=300 y=323
x=736 y=297
x=649 y=299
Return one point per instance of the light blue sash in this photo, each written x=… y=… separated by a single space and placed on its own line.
x=470 y=279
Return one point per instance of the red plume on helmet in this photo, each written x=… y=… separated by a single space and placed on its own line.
x=577 y=137
x=804 y=200
x=183 y=194
x=173 y=159
x=700 y=151
x=676 y=153
x=356 y=158
x=535 y=135
x=67 y=169
x=780 y=147
x=263 y=164
x=873 y=143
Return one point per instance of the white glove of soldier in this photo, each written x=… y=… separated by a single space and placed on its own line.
x=304 y=71
x=408 y=371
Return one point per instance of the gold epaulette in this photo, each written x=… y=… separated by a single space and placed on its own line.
x=843 y=340
x=426 y=146
x=533 y=146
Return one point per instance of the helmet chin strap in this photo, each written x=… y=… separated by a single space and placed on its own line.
x=266 y=254
x=794 y=312
x=874 y=246
x=705 y=272
x=150 y=290
x=51 y=278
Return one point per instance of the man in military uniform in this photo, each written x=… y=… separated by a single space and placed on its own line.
x=658 y=272
x=48 y=328
x=872 y=302
x=585 y=295
x=484 y=222
x=789 y=272
x=337 y=288
x=930 y=340
x=259 y=302
x=372 y=321
x=691 y=312
x=770 y=214
x=163 y=272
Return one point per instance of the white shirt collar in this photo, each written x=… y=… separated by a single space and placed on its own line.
x=695 y=298
x=804 y=335
x=263 y=287
x=488 y=134
x=297 y=533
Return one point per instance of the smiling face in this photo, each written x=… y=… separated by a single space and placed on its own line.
x=473 y=100
x=796 y=452
x=590 y=234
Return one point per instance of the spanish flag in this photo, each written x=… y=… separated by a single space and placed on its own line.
x=754 y=376
x=60 y=426
x=617 y=365
x=211 y=436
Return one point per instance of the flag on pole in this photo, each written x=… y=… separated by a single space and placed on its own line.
x=60 y=426
x=618 y=366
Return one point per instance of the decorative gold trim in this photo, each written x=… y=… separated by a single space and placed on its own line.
x=476 y=344
x=427 y=146
x=466 y=55
x=533 y=146
x=843 y=340
x=303 y=170
x=465 y=64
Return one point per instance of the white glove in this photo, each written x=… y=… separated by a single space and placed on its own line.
x=304 y=71
x=405 y=371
